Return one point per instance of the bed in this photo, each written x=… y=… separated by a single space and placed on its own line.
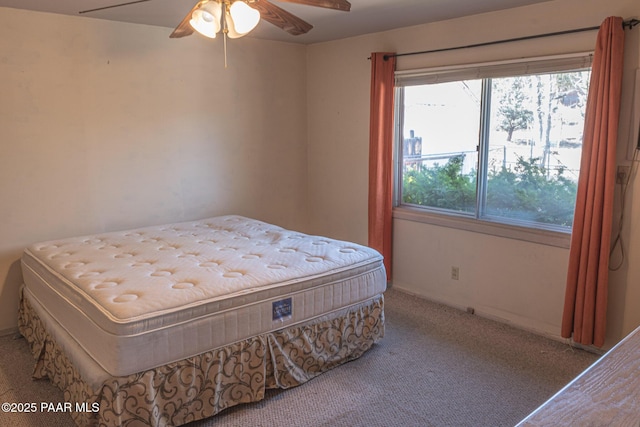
x=605 y=394
x=169 y=324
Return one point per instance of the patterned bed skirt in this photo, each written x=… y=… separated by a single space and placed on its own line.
x=201 y=386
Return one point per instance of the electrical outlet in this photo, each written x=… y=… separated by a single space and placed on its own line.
x=621 y=174
x=455 y=273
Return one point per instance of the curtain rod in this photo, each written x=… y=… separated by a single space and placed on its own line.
x=630 y=23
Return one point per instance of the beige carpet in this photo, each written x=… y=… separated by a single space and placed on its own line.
x=436 y=366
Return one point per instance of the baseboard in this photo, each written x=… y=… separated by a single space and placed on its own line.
x=9 y=331
x=493 y=317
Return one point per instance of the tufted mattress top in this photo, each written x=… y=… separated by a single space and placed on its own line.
x=118 y=292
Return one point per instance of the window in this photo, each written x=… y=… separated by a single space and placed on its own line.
x=498 y=142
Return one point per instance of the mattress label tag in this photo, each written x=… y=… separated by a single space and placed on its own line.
x=281 y=310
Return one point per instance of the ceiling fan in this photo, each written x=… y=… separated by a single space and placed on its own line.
x=211 y=16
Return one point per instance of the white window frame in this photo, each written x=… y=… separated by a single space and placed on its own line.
x=510 y=68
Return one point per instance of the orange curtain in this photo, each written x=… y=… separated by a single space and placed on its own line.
x=585 y=304
x=381 y=155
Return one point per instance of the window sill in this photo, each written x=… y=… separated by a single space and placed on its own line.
x=543 y=237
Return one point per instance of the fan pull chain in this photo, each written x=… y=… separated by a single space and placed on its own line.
x=225 y=30
x=225 y=50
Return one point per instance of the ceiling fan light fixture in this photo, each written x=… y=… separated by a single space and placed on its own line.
x=206 y=19
x=242 y=19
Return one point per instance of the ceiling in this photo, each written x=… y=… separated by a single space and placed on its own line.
x=366 y=16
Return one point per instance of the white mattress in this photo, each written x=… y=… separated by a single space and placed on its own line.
x=174 y=291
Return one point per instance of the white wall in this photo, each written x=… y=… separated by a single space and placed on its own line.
x=514 y=281
x=107 y=126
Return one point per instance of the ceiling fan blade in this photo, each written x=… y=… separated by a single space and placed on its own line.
x=329 y=4
x=184 y=28
x=112 y=6
x=281 y=18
